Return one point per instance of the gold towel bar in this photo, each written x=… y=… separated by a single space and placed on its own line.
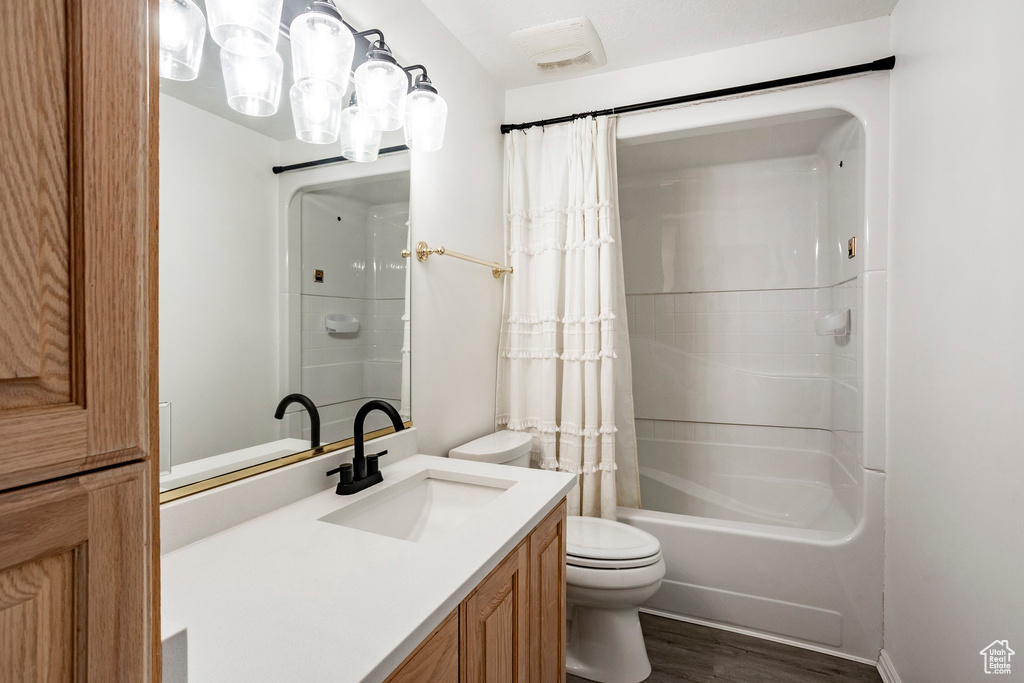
x=423 y=252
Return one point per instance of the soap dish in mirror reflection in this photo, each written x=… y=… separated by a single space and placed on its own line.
x=341 y=323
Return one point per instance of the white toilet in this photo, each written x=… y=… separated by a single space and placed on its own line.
x=612 y=568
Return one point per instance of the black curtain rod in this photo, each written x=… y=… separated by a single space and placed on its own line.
x=885 y=64
x=333 y=160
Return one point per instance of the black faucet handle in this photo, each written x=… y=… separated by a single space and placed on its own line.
x=346 y=472
x=372 y=466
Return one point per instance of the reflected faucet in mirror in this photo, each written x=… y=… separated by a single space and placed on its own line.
x=364 y=470
x=314 y=415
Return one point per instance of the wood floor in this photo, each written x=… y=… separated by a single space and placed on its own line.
x=687 y=652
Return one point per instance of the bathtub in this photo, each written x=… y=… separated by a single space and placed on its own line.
x=783 y=543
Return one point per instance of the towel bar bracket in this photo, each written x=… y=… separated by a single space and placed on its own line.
x=423 y=252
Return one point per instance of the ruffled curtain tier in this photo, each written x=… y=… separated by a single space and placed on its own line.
x=563 y=366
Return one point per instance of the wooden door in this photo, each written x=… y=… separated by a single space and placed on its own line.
x=74 y=595
x=494 y=623
x=74 y=237
x=547 y=598
x=77 y=339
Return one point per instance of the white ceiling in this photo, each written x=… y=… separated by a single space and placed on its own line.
x=636 y=32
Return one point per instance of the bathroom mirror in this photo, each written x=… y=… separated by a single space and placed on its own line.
x=270 y=284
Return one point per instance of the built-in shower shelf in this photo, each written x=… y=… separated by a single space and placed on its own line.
x=834 y=324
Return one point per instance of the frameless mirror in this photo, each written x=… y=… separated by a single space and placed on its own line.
x=271 y=284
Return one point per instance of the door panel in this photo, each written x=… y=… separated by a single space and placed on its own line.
x=74 y=237
x=75 y=577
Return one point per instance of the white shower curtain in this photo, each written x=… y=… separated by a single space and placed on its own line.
x=563 y=366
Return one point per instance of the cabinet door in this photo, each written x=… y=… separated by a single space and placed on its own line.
x=494 y=622
x=74 y=571
x=74 y=237
x=436 y=659
x=547 y=598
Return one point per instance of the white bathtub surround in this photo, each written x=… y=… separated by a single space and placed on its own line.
x=289 y=596
x=563 y=367
x=768 y=331
x=762 y=443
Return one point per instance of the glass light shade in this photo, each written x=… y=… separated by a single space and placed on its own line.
x=360 y=135
x=253 y=84
x=381 y=88
x=425 y=116
x=182 y=32
x=316 y=111
x=246 y=27
x=322 y=49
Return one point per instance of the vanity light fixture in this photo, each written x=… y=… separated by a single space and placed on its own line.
x=246 y=27
x=253 y=84
x=322 y=49
x=359 y=134
x=426 y=113
x=182 y=33
x=316 y=111
x=381 y=85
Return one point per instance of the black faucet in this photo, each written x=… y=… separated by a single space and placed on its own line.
x=364 y=470
x=314 y=415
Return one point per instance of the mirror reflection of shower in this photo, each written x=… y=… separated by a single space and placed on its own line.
x=353 y=299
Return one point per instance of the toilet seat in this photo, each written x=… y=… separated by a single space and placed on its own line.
x=604 y=544
x=593 y=563
x=586 y=579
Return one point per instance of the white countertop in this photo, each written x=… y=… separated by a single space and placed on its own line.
x=286 y=597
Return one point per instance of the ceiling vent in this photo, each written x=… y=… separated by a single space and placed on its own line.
x=567 y=45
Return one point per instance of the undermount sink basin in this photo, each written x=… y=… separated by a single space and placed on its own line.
x=421 y=508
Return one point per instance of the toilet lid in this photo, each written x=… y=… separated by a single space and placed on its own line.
x=603 y=539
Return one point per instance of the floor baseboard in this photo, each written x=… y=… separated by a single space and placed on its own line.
x=886 y=669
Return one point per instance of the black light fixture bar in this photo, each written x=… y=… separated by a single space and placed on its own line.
x=332 y=160
x=363 y=47
x=885 y=64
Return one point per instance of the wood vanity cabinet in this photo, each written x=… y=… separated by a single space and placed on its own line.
x=77 y=318
x=511 y=628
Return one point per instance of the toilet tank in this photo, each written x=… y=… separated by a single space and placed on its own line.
x=505 y=447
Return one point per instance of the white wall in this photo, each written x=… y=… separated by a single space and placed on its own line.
x=806 y=53
x=456 y=202
x=955 y=538
x=218 y=282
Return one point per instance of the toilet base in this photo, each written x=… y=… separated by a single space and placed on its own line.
x=606 y=645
